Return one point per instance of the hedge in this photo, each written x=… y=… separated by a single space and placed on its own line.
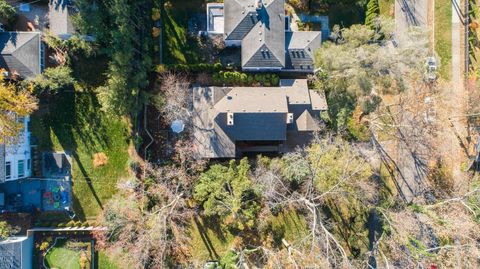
x=242 y=79
x=190 y=68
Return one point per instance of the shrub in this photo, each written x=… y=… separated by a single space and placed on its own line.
x=71 y=224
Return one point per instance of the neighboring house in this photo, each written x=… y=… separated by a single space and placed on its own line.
x=229 y=122
x=16 y=158
x=16 y=252
x=21 y=54
x=60 y=20
x=215 y=17
x=262 y=30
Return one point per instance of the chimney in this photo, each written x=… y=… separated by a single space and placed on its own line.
x=259 y=4
x=289 y=118
x=230 y=121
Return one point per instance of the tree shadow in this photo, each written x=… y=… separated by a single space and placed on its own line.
x=73 y=119
x=205 y=238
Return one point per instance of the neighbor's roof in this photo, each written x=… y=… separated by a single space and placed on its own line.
x=264 y=45
x=253 y=99
x=301 y=47
x=59 y=18
x=240 y=17
x=20 y=52
x=11 y=254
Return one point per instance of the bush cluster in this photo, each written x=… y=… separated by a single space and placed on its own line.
x=235 y=78
x=190 y=68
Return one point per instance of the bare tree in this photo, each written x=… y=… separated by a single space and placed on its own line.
x=174 y=97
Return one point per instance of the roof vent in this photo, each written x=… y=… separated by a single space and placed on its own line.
x=230 y=121
x=289 y=118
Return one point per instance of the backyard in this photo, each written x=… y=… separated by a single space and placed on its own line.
x=178 y=46
x=210 y=242
x=73 y=122
x=69 y=255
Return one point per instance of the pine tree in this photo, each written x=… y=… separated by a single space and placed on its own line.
x=373 y=11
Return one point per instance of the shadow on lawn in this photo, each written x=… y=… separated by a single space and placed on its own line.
x=73 y=118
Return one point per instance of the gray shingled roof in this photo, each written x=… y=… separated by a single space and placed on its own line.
x=11 y=255
x=264 y=44
x=20 y=52
x=301 y=47
x=59 y=18
x=259 y=114
x=306 y=122
x=252 y=99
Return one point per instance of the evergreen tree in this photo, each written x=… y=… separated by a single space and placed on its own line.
x=373 y=11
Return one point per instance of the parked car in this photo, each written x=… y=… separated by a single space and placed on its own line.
x=431 y=73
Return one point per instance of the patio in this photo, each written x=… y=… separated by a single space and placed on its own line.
x=29 y=195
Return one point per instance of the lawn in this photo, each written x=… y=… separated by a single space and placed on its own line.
x=104 y=261
x=62 y=257
x=73 y=122
x=209 y=242
x=443 y=35
x=178 y=48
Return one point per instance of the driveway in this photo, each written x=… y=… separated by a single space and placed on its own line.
x=410 y=13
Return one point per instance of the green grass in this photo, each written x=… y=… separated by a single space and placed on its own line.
x=104 y=261
x=178 y=48
x=73 y=122
x=62 y=258
x=210 y=242
x=386 y=8
x=443 y=35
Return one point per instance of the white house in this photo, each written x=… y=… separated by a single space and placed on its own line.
x=16 y=157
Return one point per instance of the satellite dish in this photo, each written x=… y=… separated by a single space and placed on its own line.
x=177 y=126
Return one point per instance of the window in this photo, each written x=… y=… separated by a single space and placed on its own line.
x=8 y=170
x=29 y=164
x=21 y=169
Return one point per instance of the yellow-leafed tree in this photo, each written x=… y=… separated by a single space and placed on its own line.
x=14 y=101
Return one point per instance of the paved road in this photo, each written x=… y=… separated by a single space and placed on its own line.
x=410 y=13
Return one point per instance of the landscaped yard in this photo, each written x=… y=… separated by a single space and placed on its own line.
x=73 y=122
x=443 y=35
x=63 y=257
x=178 y=48
x=210 y=242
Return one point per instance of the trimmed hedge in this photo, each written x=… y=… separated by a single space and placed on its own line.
x=235 y=78
x=190 y=68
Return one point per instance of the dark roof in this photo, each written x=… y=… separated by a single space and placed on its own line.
x=11 y=255
x=264 y=44
x=20 y=52
x=59 y=18
x=300 y=48
x=255 y=126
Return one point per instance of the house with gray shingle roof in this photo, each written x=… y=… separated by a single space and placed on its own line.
x=259 y=27
x=21 y=53
x=231 y=121
x=16 y=252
